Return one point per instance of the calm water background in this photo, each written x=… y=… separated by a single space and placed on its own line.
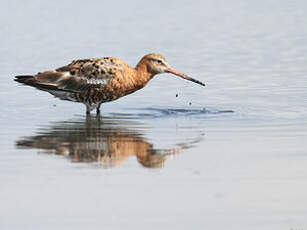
x=155 y=161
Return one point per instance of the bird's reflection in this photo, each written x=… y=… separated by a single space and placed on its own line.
x=107 y=141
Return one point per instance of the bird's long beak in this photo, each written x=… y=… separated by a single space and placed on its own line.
x=171 y=70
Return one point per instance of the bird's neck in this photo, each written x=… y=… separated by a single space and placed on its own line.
x=142 y=74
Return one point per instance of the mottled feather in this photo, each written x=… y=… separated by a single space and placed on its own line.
x=94 y=72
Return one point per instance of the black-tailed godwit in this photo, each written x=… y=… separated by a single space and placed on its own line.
x=98 y=80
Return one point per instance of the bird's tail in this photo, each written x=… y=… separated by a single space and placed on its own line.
x=25 y=79
x=31 y=80
x=44 y=81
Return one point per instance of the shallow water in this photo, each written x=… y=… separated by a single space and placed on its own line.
x=174 y=154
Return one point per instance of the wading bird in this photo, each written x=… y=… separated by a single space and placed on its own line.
x=98 y=80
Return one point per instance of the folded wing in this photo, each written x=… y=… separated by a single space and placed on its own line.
x=76 y=77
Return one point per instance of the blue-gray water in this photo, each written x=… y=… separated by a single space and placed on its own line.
x=154 y=160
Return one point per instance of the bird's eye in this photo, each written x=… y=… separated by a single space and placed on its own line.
x=159 y=61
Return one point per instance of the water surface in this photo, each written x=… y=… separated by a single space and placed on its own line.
x=174 y=155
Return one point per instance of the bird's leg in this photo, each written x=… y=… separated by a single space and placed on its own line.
x=98 y=109
x=88 y=110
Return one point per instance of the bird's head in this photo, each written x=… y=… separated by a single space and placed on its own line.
x=156 y=63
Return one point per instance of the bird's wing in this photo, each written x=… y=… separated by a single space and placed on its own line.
x=79 y=75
